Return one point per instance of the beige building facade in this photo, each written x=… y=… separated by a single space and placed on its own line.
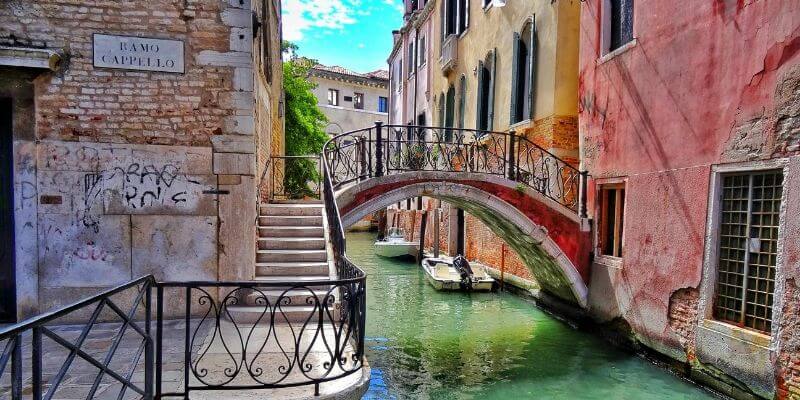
x=136 y=136
x=489 y=65
x=349 y=99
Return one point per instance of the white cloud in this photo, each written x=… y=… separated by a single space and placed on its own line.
x=302 y=15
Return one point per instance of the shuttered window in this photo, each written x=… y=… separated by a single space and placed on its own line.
x=462 y=101
x=523 y=75
x=747 y=250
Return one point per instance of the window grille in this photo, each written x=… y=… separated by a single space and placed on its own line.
x=748 y=229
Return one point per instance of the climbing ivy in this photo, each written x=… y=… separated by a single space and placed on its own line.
x=305 y=123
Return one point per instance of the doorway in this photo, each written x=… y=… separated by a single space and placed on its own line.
x=8 y=292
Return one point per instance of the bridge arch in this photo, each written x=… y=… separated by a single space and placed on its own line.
x=546 y=235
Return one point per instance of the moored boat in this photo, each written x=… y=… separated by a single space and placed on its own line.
x=443 y=275
x=396 y=245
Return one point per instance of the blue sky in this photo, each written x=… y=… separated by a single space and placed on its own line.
x=355 y=34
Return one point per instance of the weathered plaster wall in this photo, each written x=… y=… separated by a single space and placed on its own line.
x=548 y=238
x=115 y=170
x=711 y=84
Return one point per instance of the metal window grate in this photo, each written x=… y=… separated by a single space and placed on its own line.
x=748 y=248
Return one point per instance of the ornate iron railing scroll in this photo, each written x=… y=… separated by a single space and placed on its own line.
x=390 y=149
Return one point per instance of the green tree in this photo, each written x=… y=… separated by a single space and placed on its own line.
x=305 y=125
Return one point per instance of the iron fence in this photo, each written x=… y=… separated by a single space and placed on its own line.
x=388 y=149
x=295 y=177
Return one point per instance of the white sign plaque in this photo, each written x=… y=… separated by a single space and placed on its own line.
x=137 y=53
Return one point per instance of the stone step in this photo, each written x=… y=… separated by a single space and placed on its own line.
x=290 y=297
x=299 y=243
x=312 y=201
x=279 y=279
x=266 y=256
x=286 y=314
x=291 y=209
x=291 y=231
x=292 y=268
x=266 y=220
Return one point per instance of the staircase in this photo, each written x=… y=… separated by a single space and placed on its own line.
x=291 y=248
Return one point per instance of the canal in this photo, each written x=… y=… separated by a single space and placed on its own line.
x=423 y=344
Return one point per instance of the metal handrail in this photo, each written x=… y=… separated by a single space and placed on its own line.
x=375 y=151
x=278 y=180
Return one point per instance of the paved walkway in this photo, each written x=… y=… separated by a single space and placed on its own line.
x=213 y=357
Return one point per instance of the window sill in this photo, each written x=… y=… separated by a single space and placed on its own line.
x=519 y=124
x=735 y=332
x=609 y=261
x=621 y=50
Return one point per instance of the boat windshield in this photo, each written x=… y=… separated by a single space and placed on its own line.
x=396 y=232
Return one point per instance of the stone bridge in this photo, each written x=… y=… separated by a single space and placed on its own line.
x=527 y=196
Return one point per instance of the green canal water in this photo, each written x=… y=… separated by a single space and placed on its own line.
x=423 y=344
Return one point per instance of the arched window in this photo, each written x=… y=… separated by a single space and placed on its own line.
x=449 y=112
x=462 y=101
x=523 y=76
x=486 y=82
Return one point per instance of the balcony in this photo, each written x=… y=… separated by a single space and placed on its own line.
x=449 y=57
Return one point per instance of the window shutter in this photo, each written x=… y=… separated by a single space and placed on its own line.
x=514 y=80
x=462 y=101
x=493 y=84
x=532 y=70
x=481 y=77
x=443 y=23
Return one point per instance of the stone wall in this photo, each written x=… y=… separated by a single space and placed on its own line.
x=117 y=171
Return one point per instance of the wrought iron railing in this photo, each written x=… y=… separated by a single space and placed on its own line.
x=279 y=345
x=25 y=342
x=296 y=177
x=387 y=149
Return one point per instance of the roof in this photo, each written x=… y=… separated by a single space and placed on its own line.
x=378 y=75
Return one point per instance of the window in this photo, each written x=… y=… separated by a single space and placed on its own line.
x=421 y=49
x=618 y=23
x=383 y=104
x=266 y=48
x=411 y=67
x=455 y=17
x=449 y=113
x=462 y=101
x=486 y=84
x=333 y=97
x=612 y=210
x=747 y=249
x=358 y=101
x=524 y=74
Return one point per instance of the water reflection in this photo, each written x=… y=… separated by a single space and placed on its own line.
x=424 y=344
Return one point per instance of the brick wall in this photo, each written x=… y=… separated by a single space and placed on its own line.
x=119 y=106
x=484 y=246
x=125 y=160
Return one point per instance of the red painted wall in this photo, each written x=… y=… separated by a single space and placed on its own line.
x=564 y=231
x=707 y=82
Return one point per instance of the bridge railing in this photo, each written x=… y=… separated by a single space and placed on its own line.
x=387 y=149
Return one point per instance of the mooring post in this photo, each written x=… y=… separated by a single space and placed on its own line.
x=512 y=156
x=584 y=188
x=378 y=148
x=436 y=216
x=423 y=225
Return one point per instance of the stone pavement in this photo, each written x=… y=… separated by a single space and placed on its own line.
x=215 y=354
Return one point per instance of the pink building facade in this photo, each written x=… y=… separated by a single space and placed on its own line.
x=690 y=129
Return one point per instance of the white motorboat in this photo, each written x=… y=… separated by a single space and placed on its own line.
x=396 y=245
x=443 y=275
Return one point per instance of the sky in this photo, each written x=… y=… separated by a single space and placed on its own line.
x=355 y=34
